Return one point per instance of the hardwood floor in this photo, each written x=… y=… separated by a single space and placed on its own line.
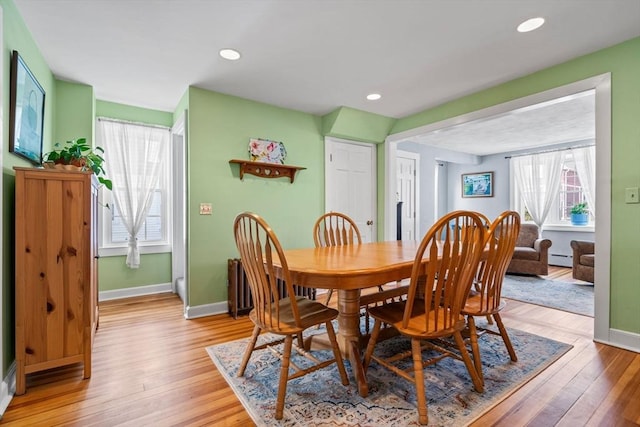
x=150 y=367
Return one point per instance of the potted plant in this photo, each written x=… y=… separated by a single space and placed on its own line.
x=79 y=154
x=579 y=214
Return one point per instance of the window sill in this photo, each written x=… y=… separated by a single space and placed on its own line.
x=144 y=250
x=569 y=228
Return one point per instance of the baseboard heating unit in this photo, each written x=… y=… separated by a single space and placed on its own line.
x=240 y=300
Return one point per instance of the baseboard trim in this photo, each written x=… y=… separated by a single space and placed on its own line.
x=135 y=291
x=193 y=312
x=622 y=339
x=7 y=388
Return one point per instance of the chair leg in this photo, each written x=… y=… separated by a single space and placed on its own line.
x=284 y=376
x=328 y=299
x=371 y=345
x=505 y=337
x=477 y=382
x=336 y=354
x=475 y=348
x=418 y=372
x=249 y=350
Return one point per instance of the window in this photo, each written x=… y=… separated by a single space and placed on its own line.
x=133 y=154
x=571 y=192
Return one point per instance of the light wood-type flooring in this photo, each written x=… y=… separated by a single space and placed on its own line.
x=150 y=368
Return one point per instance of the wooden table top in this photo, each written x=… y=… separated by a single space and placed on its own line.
x=352 y=266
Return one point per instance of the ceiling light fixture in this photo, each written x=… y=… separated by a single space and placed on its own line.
x=230 y=54
x=374 y=96
x=530 y=25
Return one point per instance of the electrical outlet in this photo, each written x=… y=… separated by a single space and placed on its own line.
x=205 y=209
x=631 y=195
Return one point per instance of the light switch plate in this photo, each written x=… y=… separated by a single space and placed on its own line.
x=631 y=195
x=205 y=209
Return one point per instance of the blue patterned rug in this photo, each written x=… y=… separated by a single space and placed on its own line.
x=571 y=297
x=320 y=399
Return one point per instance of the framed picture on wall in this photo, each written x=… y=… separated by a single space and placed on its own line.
x=477 y=184
x=26 y=111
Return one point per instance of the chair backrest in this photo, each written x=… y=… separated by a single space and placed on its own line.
x=335 y=229
x=452 y=246
x=500 y=244
x=529 y=233
x=262 y=257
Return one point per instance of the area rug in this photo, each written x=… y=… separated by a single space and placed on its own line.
x=320 y=399
x=566 y=296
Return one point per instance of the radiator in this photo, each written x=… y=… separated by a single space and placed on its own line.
x=239 y=299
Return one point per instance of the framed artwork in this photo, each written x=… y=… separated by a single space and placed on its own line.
x=26 y=112
x=477 y=184
x=266 y=151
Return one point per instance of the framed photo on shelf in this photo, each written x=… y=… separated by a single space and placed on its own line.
x=477 y=184
x=26 y=111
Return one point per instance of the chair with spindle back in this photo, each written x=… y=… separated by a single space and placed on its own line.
x=261 y=254
x=444 y=267
x=485 y=299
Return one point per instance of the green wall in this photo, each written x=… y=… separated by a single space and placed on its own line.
x=17 y=37
x=220 y=127
x=623 y=62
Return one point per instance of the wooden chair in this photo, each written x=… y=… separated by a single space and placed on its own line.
x=485 y=300
x=437 y=292
x=335 y=229
x=289 y=316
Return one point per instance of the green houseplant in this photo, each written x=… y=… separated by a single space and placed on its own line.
x=579 y=214
x=77 y=152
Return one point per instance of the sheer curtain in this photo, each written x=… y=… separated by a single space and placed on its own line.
x=585 y=158
x=538 y=179
x=134 y=157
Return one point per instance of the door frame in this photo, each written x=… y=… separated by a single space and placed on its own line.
x=373 y=188
x=602 y=86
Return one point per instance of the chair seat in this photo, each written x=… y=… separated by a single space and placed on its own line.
x=392 y=314
x=588 y=260
x=311 y=313
x=474 y=308
x=526 y=253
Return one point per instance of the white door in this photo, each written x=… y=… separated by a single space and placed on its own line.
x=407 y=167
x=350 y=183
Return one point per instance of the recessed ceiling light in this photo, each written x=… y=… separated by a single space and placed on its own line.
x=230 y=54
x=530 y=25
x=374 y=96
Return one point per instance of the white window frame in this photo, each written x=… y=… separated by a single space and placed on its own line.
x=107 y=248
x=552 y=223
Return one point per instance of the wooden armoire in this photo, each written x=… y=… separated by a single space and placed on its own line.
x=56 y=270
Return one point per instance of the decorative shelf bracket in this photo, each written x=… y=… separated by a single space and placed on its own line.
x=266 y=170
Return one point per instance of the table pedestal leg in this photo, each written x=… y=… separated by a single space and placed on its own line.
x=349 y=334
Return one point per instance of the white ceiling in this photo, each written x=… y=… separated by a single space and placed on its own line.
x=315 y=56
x=564 y=120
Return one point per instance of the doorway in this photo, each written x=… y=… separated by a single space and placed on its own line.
x=602 y=86
x=179 y=279
x=407 y=193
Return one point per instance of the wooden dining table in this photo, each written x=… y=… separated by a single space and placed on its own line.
x=349 y=269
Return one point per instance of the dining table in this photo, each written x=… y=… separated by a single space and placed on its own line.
x=349 y=269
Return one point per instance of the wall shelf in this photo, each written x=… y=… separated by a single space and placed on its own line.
x=266 y=170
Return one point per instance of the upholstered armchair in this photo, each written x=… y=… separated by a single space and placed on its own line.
x=583 y=260
x=531 y=255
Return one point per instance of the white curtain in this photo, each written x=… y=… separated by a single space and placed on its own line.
x=134 y=157
x=538 y=179
x=585 y=158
